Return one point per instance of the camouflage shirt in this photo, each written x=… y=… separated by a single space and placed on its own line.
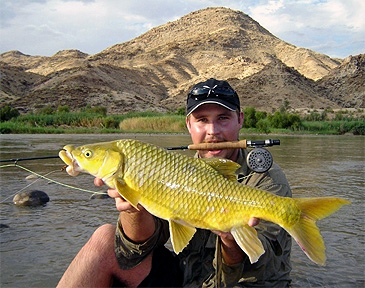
x=201 y=261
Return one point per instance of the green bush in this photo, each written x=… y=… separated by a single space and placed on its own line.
x=285 y=120
x=249 y=117
x=295 y=123
x=46 y=110
x=260 y=115
x=95 y=110
x=109 y=122
x=181 y=111
x=278 y=120
x=263 y=125
x=7 y=113
x=359 y=128
x=354 y=127
x=315 y=116
x=63 y=109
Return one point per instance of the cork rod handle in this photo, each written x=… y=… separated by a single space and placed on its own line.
x=217 y=146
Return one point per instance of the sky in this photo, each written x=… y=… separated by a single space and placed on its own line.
x=44 y=27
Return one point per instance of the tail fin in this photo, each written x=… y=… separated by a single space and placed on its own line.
x=306 y=233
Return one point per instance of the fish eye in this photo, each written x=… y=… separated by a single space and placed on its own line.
x=88 y=153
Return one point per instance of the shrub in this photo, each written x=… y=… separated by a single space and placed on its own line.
x=110 y=122
x=63 y=109
x=295 y=123
x=285 y=120
x=263 y=125
x=315 y=116
x=359 y=128
x=250 y=117
x=7 y=113
x=46 y=110
x=95 y=110
x=181 y=111
x=260 y=115
x=278 y=120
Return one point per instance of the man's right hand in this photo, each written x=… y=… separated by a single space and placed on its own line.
x=121 y=204
x=138 y=225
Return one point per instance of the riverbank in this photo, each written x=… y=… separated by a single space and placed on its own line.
x=313 y=128
x=90 y=122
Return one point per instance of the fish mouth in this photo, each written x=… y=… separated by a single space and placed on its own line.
x=73 y=168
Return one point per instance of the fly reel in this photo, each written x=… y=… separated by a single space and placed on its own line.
x=259 y=160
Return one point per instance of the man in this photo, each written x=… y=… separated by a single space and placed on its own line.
x=139 y=257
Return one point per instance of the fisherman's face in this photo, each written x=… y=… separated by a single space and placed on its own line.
x=214 y=123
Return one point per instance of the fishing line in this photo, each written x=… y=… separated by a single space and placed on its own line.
x=27 y=186
x=241 y=178
x=48 y=179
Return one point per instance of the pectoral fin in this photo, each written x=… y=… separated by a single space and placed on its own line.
x=127 y=193
x=246 y=238
x=180 y=235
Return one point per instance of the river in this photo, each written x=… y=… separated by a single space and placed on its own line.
x=40 y=242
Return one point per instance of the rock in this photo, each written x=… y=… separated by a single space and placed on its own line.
x=4 y=226
x=31 y=198
x=99 y=196
x=31 y=177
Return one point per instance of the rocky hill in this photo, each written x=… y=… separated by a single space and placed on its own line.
x=155 y=70
x=344 y=84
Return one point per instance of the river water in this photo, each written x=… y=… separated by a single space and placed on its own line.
x=40 y=242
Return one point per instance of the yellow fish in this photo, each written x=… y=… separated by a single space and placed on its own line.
x=202 y=193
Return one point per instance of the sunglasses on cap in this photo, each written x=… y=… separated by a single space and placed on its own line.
x=200 y=93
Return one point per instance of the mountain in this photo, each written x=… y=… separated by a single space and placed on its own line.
x=276 y=83
x=344 y=84
x=156 y=70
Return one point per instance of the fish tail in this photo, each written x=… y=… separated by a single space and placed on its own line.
x=305 y=231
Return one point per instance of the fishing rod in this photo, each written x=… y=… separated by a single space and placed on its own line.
x=30 y=158
x=243 y=144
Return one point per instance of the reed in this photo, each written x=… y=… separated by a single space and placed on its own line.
x=169 y=123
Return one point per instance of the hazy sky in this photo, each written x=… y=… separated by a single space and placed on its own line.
x=44 y=27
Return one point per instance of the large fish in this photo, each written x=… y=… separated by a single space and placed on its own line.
x=203 y=193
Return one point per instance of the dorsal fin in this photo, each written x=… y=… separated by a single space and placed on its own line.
x=224 y=166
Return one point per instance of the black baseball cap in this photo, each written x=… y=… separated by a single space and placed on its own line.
x=212 y=91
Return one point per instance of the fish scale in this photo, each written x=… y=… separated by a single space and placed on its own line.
x=199 y=193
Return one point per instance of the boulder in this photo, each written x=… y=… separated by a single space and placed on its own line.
x=31 y=198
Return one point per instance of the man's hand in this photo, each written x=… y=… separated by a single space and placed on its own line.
x=121 y=204
x=231 y=252
x=138 y=225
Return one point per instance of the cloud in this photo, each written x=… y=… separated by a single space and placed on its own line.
x=333 y=27
x=43 y=27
